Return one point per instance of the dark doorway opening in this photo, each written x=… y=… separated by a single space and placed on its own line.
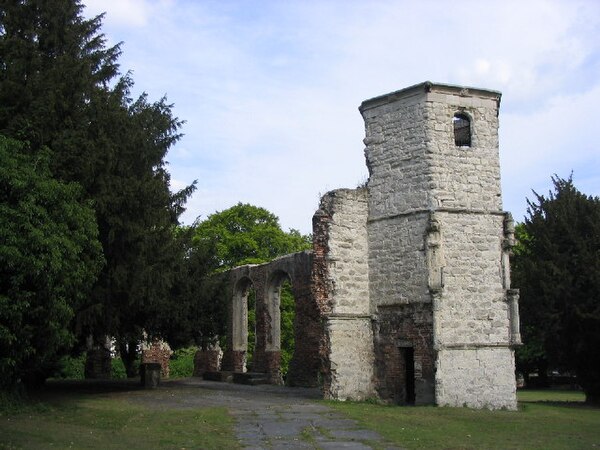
x=408 y=358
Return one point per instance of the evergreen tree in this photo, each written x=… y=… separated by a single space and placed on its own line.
x=558 y=271
x=60 y=87
x=52 y=65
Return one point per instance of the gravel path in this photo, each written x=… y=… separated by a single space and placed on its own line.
x=269 y=417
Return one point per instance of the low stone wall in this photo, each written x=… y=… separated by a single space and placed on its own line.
x=207 y=361
x=157 y=352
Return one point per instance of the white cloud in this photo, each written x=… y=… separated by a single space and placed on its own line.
x=270 y=94
x=557 y=140
x=133 y=13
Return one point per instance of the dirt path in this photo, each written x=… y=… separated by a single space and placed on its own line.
x=267 y=417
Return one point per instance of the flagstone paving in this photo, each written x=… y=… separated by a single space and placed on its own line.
x=272 y=417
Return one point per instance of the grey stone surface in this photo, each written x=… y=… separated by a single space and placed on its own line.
x=408 y=296
x=270 y=417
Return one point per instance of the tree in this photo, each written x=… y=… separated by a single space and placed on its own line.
x=531 y=355
x=558 y=271
x=247 y=234
x=49 y=259
x=60 y=88
x=137 y=218
x=53 y=66
x=199 y=291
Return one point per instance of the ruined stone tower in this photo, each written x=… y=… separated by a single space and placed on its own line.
x=439 y=288
x=406 y=295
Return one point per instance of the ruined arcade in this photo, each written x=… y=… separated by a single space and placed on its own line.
x=406 y=294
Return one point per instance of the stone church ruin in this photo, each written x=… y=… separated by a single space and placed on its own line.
x=406 y=293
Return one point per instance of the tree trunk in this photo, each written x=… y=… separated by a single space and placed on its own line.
x=129 y=356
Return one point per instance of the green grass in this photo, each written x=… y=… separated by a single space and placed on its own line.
x=120 y=415
x=111 y=420
x=545 y=420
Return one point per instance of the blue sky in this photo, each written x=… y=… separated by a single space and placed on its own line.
x=270 y=90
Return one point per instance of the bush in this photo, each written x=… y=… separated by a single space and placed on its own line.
x=72 y=367
x=181 y=364
x=117 y=370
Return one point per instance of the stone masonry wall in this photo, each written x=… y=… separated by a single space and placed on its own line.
x=466 y=178
x=266 y=280
x=399 y=202
x=348 y=364
x=476 y=377
x=396 y=144
x=472 y=309
x=207 y=361
x=436 y=238
x=475 y=358
x=397 y=263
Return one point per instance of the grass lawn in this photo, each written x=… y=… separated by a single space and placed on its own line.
x=122 y=416
x=545 y=420
x=110 y=420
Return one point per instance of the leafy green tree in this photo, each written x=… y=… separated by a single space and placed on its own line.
x=288 y=313
x=558 y=272
x=247 y=234
x=49 y=259
x=60 y=87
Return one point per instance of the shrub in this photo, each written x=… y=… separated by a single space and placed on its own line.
x=181 y=364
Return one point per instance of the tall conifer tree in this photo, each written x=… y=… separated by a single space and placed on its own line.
x=558 y=271
x=60 y=87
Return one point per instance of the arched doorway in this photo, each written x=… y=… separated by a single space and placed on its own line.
x=282 y=312
x=243 y=324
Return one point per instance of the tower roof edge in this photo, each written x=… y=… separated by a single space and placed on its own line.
x=426 y=87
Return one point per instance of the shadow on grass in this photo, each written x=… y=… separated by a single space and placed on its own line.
x=563 y=398
x=92 y=386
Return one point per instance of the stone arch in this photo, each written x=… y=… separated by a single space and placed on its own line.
x=266 y=279
x=234 y=358
x=276 y=280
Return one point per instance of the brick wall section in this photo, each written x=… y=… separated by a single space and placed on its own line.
x=157 y=352
x=321 y=286
x=233 y=360
x=399 y=326
x=306 y=363
x=207 y=361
